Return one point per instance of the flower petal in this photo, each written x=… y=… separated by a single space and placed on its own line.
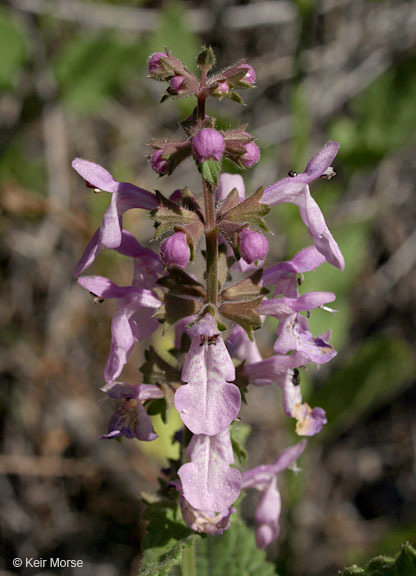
x=208 y=481
x=95 y=175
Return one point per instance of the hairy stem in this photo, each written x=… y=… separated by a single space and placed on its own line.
x=211 y=235
x=188 y=566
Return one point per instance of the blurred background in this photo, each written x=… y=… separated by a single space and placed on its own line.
x=73 y=83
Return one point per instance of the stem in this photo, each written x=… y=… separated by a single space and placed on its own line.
x=188 y=566
x=211 y=234
x=202 y=97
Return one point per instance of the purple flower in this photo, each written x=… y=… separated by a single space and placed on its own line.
x=208 y=403
x=207 y=522
x=250 y=77
x=285 y=274
x=176 y=85
x=221 y=89
x=175 y=250
x=124 y=197
x=263 y=478
x=253 y=245
x=283 y=371
x=240 y=346
x=227 y=182
x=131 y=420
x=154 y=66
x=295 y=190
x=293 y=331
x=136 y=304
x=251 y=156
x=159 y=165
x=208 y=143
x=208 y=481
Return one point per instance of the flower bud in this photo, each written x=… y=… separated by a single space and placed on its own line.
x=176 y=85
x=154 y=66
x=250 y=76
x=252 y=155
x=159 y=165
x=208 y=143
x=252 y=245
x=221 y=89
x=175 y=250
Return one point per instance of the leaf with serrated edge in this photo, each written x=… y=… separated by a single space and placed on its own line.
x=244 y=313
x=165 y=540
x=210 y=170
x=169 y=215
x=182 y=284
x=245 y=290
x=249 y=211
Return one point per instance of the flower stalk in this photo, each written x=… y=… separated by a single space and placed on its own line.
x=215 y=319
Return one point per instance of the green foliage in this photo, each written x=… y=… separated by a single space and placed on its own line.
x=376 y=372
x=165 y=540
x=404 y=564
x=233 y=554
x=239 y=435
x=12 y=50
x=92 y=67
x=210 y=170
x=384 y=117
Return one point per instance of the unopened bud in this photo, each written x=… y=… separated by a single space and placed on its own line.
x=250 y=77
x=208 y=143
x=176 y=85
x=175 y=250
x=159 y=165
x=221 y=89
x=252 y=245
x=252 y=155
x=154 y=65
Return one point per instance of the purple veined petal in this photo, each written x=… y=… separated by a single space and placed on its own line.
x=95 y=175
x=117 y=359
x=227 y=182
x=260 y=476
x=103 y=287
x=288 y=190
x=272 y=369
x=267 y=514
x=293 y=334
x=111 y=225
x=149 y=392
x=240 y=346
x=131 y=196
x=92 y=250
x=284 y=274
x=322 y=160
x=131 y=247
x=281 y=307
x=143 y=324
x=208 y=403
x=208 y=481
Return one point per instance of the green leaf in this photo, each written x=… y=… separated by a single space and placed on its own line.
x=403 y=564
x=170 y=215
x=92 y=67
x=165 y=540
x=12 y=49
x=210 y=170
x=250 y=211
x=239 y=435
x=234 y=553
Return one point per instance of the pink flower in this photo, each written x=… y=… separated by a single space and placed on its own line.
x=175 y=250
x=295 y=190
x=253 y=245
x=208 y=143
